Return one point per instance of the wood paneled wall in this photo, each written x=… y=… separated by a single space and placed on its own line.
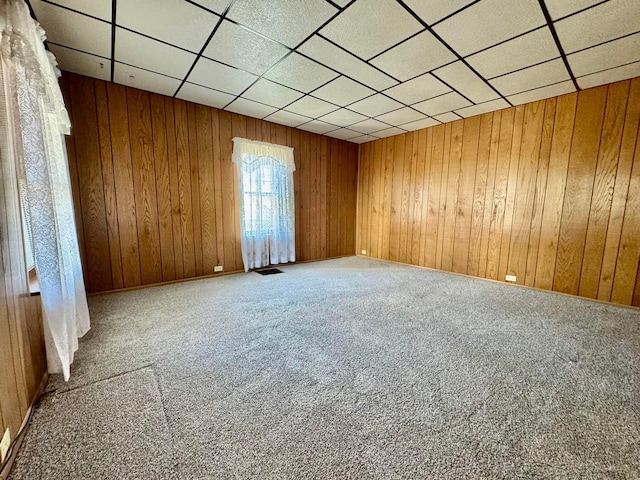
x=548 y=191
x=156 y=191
x=23 y=361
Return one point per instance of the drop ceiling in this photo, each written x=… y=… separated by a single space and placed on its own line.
x=355 y=70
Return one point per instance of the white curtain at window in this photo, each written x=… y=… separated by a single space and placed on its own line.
x=267 y=216
x=33 y=122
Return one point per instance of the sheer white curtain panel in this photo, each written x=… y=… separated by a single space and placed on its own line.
x=267 y=208
x=33 y=122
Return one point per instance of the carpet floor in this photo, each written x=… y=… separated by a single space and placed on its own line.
x=346 y=368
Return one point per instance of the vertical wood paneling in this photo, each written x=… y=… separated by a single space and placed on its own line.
x=156 y=192
x=548 y=191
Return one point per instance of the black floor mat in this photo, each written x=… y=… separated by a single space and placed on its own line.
x=268 y=271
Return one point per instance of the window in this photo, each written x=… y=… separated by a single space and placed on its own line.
x=267 y=218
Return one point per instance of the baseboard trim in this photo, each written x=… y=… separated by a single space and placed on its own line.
x=211 y=275
x=632 y=307
x=5 y=469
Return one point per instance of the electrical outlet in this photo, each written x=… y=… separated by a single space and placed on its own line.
x=364 y=252
x=510 y=278
x=4 y=445
x=218 y=268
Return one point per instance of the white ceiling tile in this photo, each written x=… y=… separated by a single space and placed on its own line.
x=342 y=91
x=343 y=117
x=143 y=52
x=343 y=134
x=389 y=132
x=610 y=20
x=610 y=55
x=535 y=47
x=483 y=108
x=488 y=22
x=367 y=27
x=417 y=55
x=176 y=22
x=375 y=105
x=74 y=30
x=238 y=47
x=462 y=79
x=300 y=73
x=144 y=80
x=447 y=117
x=541 y=93
x=82 y=63
x=286 y=21
x=402 y=115
x=330 y=55
x=420 y=124
x=609 y=76
x=363 y=139
x=435 y=10
x=561 y=8
x=317 y=126
x=221 y=77
x=249 y=108
x=217 y=6
x=97 y=8
x=417 y=89
x=369 y=126
x=532 y=77
x=287 y=118
x=311 y=107
x=443 y=103
x=269 y=93
x=204 y=96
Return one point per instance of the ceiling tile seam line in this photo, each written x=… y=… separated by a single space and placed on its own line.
x=77 y=11
x=362 y=59
x=396 y=45
x=346 y=75
x=556 y=39
x=577 y=12
x=334 y=4
x=535 y=88
x=452 y=89
x=524 y=68
x=450 y=48
x=195 y=4
x=610 y=68
x=605 y=42
x=206 y=44
x=114 y=9
x=294 y=49
x=522 y=34
x=452 y=14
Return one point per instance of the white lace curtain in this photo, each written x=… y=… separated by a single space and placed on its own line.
x=33 y=122
x=267 y=208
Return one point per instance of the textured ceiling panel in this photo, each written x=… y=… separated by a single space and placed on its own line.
x=299 y=72
x=488 y=22
x=286 y=21
x=355 y=64
x=368 y=27
x=417 y=55
x=244 y=49
x=173 y=21
x=204 y=96
x=220 y=77
x=436 y=10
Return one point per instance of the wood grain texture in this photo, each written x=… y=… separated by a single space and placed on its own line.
x=156 y=191
x=548 y=191
x=22 y=355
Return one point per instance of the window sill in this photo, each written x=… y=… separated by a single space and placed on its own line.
x=34 y=286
